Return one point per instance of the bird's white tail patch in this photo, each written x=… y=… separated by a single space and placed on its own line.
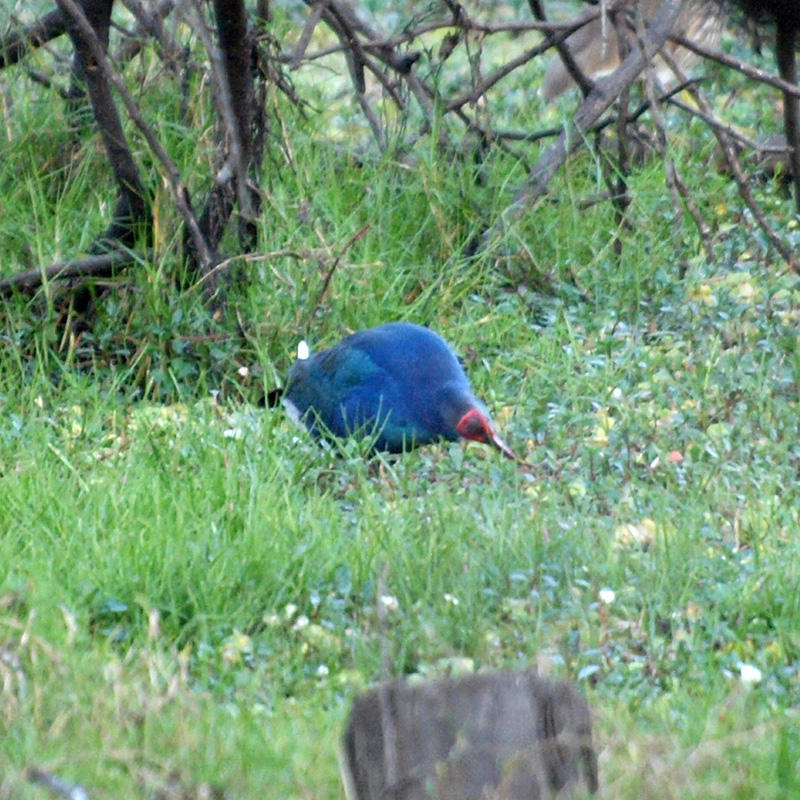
x=303 y=350
x=293 y=412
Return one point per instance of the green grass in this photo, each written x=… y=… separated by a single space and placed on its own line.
x=188 y=586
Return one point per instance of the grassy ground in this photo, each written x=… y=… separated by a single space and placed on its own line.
x=188 y=585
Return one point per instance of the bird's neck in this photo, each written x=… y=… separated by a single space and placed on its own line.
x=454 y=401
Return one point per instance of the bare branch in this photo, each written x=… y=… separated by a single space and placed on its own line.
x=760 y=75
x=346 y=24
x=179 y=191
x=90 y=40
x=598 y=100
x=149 y=23
x=473 y=95
x=731 y=158
x=677 y=187
x=101 y=266
x=17 y=44
x=785 y=43
x=305 y=37
x=584 y=83
x=236 y=119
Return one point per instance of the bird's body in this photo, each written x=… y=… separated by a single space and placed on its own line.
x=399 y=383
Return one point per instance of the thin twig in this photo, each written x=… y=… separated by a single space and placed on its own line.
x=760 y=75
x=416 y=33
x=248 y=258
x=329 y=274
x=633 y=116
x=731 y=158
x=474 y=94
x=731 y=132
x=677 y=188
x=591 y=200
x=618 y=184
x=669 y=167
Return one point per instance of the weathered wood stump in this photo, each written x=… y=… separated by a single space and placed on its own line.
x=493 y=736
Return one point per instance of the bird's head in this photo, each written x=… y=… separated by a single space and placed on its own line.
x=475 y=425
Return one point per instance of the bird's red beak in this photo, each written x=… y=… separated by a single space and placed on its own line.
x=474 y=425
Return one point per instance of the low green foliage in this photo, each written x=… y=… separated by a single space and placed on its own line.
x=188 y=584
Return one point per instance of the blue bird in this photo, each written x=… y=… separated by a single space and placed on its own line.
x=398 y=382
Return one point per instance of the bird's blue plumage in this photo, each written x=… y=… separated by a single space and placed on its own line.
x=398 y=382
